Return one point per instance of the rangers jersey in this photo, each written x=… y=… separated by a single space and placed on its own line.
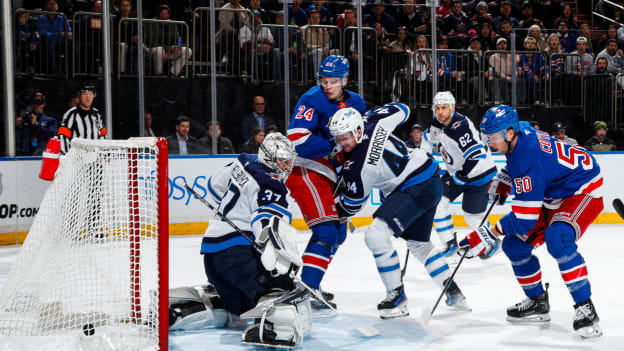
x=462 y=150
x=309 y=132
x=544 y=171
x=382 y=160
x=248 y=193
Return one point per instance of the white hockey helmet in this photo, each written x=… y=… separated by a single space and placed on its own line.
x=278 y=153
x=443 y=98
x=347 y=120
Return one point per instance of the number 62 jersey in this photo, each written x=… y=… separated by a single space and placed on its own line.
x=544 y=171
x=382 y=160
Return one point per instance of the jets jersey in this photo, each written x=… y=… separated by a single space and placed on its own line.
x=309 y=132
x=462 y=149
x=248 y=194
x=544 y=171
x=382 y=160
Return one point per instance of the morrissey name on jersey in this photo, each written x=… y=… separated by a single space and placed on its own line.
x=379 y=139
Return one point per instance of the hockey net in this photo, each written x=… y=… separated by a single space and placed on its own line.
x=92 y=273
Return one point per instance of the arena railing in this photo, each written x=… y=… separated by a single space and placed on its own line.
x=87 y=44
x=318 y=42
x=41 y=44
x=566 y=80
x=370 y=49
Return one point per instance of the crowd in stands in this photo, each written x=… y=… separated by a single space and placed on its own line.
x=483 y=32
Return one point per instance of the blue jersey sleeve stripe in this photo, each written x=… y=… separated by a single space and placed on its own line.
x=220 y=246
x=473 y=149
x=443 y=219
x=281 y=210
x=212 y=191
x=260 y=216
x=403 y=108
x=349 y=201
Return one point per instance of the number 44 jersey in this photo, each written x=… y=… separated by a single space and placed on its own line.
x=382 y=160
x=544 y=171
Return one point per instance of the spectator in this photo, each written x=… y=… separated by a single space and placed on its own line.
x=402 y=43
x=254 y=5
x=82 y=121
x=26 y=43
x=44 y=126
x=567 y=38
x=166 y=44
x=149 y=132
x=56 y=35
x=585 y=31
x=486 y=36
x=263 y=51
x=446 y=67
x=505 y=15
x=280 y=45
x=256 y=137
x=530 y=73
x=527 y=17
x=535 y=32
x=611 y=35
x=507 y=33
x=296 y=15
x=326 y=16
x=553 y=49
x=583 y=65
x=539 y=10
x=351 y=48
x=255 y=119
x=536 y=125
x=23 y=134
x=224 y=145
x=181 y=142
x=271 y=129
x=422 y=60
x=500 y=73
x=566 y=15
x=229 y=24
x=559 y=132
x=456 y=22
x=408 y=17
x=416 y=140
x=316 y=40
x=468 y=64
x=89 y=37
x=127 y=33
x=613 y=57
x=481 y=15
x=602 y=65
x=445 y=9
x=379 y=16
x=600 y=141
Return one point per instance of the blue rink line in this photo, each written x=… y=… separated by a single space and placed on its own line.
x=327 y=334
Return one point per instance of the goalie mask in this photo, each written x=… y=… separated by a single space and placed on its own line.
x=347 y=120
x=277 y=153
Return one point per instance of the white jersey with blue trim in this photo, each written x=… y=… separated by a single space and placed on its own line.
x=248 y=194
x=382 y=160
x=462 y=149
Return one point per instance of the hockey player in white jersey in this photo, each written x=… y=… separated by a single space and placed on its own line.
x=250 y=282
x=469 y=164
x=409 y=180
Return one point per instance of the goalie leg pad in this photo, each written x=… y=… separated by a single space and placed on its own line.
x=189 y=310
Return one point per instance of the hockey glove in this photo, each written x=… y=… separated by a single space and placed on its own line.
x=501 y=186
x=460 y=178
x=479 y=242
x=279 y=247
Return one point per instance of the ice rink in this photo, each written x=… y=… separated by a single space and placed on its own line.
x=489 y=286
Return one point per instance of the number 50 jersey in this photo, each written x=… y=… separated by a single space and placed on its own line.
x=382 y=160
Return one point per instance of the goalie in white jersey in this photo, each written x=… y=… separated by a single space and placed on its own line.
x=469 y=164
x=250 y=282
x=409 y=180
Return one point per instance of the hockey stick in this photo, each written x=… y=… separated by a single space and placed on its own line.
x=350 y=225
x=367 y=330
x=619 y=207
x=426 y=315
x=405 y=265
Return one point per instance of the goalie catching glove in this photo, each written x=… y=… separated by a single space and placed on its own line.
x=279 y=247
x=500 y=186
x=479 y=243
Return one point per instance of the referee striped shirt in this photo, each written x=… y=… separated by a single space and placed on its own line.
x=78 y=123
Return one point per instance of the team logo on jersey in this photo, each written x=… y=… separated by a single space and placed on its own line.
x=347 y=165
x=342 y=104
x=456 y=125
x=446 y=156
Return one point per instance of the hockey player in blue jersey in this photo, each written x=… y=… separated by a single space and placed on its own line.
x=469 y=164
x=250 y=192
x=313 y=179
x=557 y=196
x=409 y=180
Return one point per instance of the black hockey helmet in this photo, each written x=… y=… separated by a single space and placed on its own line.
x=557 y=127
x=88 y=86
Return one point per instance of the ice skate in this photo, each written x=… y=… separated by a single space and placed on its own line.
x=586 y=320
x=530 y=310
x=455 y=299
x=394 y=305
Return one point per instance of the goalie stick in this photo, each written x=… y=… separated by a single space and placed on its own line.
x=619 y=207
x=426 y=315
x=367 y=330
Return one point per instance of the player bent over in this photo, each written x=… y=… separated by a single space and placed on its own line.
x=409 y=179
x=313 y=179
x=556 y=197
x=470 y=168
x=250 y=192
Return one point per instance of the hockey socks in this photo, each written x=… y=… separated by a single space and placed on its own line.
x=318 y=253
x=434 y=261
x=389 y=267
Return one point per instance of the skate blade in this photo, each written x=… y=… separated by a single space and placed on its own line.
x=589 y=332
x=399 y=311
x=460 y=308
x=272 y=346
x=533 y=319
x=323 y=314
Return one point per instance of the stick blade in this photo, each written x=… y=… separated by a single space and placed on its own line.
x=368 y=331
x=619 y=207
x=425 y=316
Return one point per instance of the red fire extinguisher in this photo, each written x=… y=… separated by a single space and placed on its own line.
x=50 y=160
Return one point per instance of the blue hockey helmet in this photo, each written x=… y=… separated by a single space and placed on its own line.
x=499 y=119
x=334 y=66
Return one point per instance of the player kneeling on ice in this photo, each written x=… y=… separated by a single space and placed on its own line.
x=251 y=280
x=409 y=179
x=557 y=196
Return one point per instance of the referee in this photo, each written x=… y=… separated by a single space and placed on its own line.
x=82 y=121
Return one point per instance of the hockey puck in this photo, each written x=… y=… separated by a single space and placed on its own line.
x=88 y=329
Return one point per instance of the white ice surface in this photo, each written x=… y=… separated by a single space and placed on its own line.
x=489 y=286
